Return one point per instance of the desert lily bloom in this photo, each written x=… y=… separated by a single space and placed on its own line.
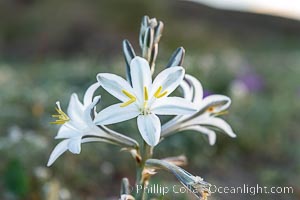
x=78 y=127
x=195 y=184
x=206 y=119
x=144 y=99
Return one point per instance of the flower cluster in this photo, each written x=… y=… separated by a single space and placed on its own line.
x=144 y=97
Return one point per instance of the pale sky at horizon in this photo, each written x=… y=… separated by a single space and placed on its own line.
x=283 y=8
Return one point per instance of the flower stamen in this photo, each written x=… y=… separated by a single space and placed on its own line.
x=145 y=104
x=158 y=93
x=62 y=117
x=128 y=94
x=127 y=103
x=146 y=96
x=222 y=113
x=131 y=97
x=212 y=111
x=145 y=110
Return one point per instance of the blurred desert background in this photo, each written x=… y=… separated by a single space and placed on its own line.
x=50 y=49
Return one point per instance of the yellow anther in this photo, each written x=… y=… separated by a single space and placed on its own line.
x=131 y=97
x=158 y=93
x=127 y=103
x=146 y=96
x=162 y=94
x=62 y=117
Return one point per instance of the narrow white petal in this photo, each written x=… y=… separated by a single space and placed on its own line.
x=173 y=106
x=75 y=109
x=197 y=88
x=169 y=79
x=172 y=122
x=219 y=124
x=210 y=133
x=96 y=131
x=67 y=131
x=88 y=111
x=94 y=139
x=114 y=85
x=140 y=76
x=115 y=113
x=58 y=151
x=187 y=90
x=150 y=128
x=88 y=96
x=218 y=102
x=74 y=145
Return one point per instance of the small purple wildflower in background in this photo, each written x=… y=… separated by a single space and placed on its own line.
x=252 y=81
x=206 y=93
x=298 y=92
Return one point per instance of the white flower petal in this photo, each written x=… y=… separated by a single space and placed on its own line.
x=114 y=85
x=197 y=88
x=67 y=130
x=173 y=106
x=150 y=128
x=78 y=127
x=171 y=123
x=88 y=96
x=75 y=109
x=74 y=145
x=88 y=111
x=210 y=133
x=140 y=76
x=115 y=113
x=58 y=151
x=94 y=139
x=218 y=123
x=169 y=79
x=219 y=103
x=187 y=90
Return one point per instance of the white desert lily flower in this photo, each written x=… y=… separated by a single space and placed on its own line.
x=77 y=125
x=206 y=119
x=144 y=99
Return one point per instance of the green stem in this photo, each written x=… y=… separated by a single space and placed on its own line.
x=148 y=152
x=140 y=180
